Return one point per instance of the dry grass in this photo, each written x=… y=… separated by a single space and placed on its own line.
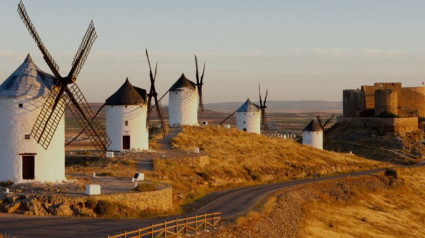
x=239 y=158
x=394 y=212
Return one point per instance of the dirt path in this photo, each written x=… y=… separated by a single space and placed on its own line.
x=231 y=203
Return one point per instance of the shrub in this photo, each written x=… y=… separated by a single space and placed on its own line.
x=205 y=175
x=90 y=203
x=105 y=208
x=6 y=183
x=390 y=172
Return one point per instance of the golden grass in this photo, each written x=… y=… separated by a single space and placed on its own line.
x=394 y=212
x=240 y=158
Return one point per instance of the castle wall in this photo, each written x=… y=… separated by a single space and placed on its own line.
x=411 y=102
x=368 y=94
x=351 y=102
x=406 y=124
x=386 y=100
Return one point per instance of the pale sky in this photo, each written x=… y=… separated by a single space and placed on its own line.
x=300 y=50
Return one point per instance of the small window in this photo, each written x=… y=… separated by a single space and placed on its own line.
x=244 y=129
x=20 y=105
x=27 y=137
x=125 y=105
x=244 y=122
x=126 y=123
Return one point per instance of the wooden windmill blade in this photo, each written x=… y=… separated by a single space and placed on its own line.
x=48 y=120
x=227 y=118
x=83 y=52
x=199 y=83
x=263 y=110
x=327 y=121
x=46 y=55
x=86 y=118
x=62 y=96
x=54 y=106
x=319 y=119
x=259 y=93
x=153 y=94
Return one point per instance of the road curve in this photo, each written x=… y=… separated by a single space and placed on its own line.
x=231 y=203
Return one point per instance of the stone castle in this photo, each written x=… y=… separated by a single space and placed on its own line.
x=385 y=106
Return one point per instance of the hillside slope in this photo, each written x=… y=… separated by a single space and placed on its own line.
x=239 y=158
x=401 y=148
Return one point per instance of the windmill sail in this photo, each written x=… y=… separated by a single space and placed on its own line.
x=61 y=96
x=49 y=118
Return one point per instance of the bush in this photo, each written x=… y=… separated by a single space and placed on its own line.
x=391 y=172
x=105 y=208
x=90 y=203
x=6 y=183
x=205 y=175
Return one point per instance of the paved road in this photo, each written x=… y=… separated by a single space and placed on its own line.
x=231 y=203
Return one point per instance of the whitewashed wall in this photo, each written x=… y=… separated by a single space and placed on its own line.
x=313 y=138
x=15 y=123
x=183 y=107
x=115 y=126
x=252 y=121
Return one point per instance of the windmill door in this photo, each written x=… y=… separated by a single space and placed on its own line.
x=28 y=167
x=126 y=142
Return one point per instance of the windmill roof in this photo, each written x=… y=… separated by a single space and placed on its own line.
x=27 y=82
x=183 y=82
x=248 y=106
x=313 y=126
x=127 y=94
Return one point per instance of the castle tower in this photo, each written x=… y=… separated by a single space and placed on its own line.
x=386 y=101
x=22 y=159
x=248 y=117
x=313 y=135
x=183 y=103
x=126 y=112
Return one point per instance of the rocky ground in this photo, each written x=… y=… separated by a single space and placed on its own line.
x=397 y=148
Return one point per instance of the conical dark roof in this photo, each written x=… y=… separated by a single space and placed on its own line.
x=313 y=126
x=127 y=94
x=248 y=106
x=183 y=82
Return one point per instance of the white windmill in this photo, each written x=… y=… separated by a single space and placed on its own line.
x=249 y=116
x=183 y=99
x=33 y=104
x=22 y=159
x=126 y=112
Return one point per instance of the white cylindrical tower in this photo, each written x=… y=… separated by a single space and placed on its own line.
x=248 y=117
x=22 y=159
x=313 y=135
x=126 y=112
x=183 y=103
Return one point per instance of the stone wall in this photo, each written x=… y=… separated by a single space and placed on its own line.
x=161 y=200
x=386 y=101
x=407 y=124
x=59 y=205
x=351 y=102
